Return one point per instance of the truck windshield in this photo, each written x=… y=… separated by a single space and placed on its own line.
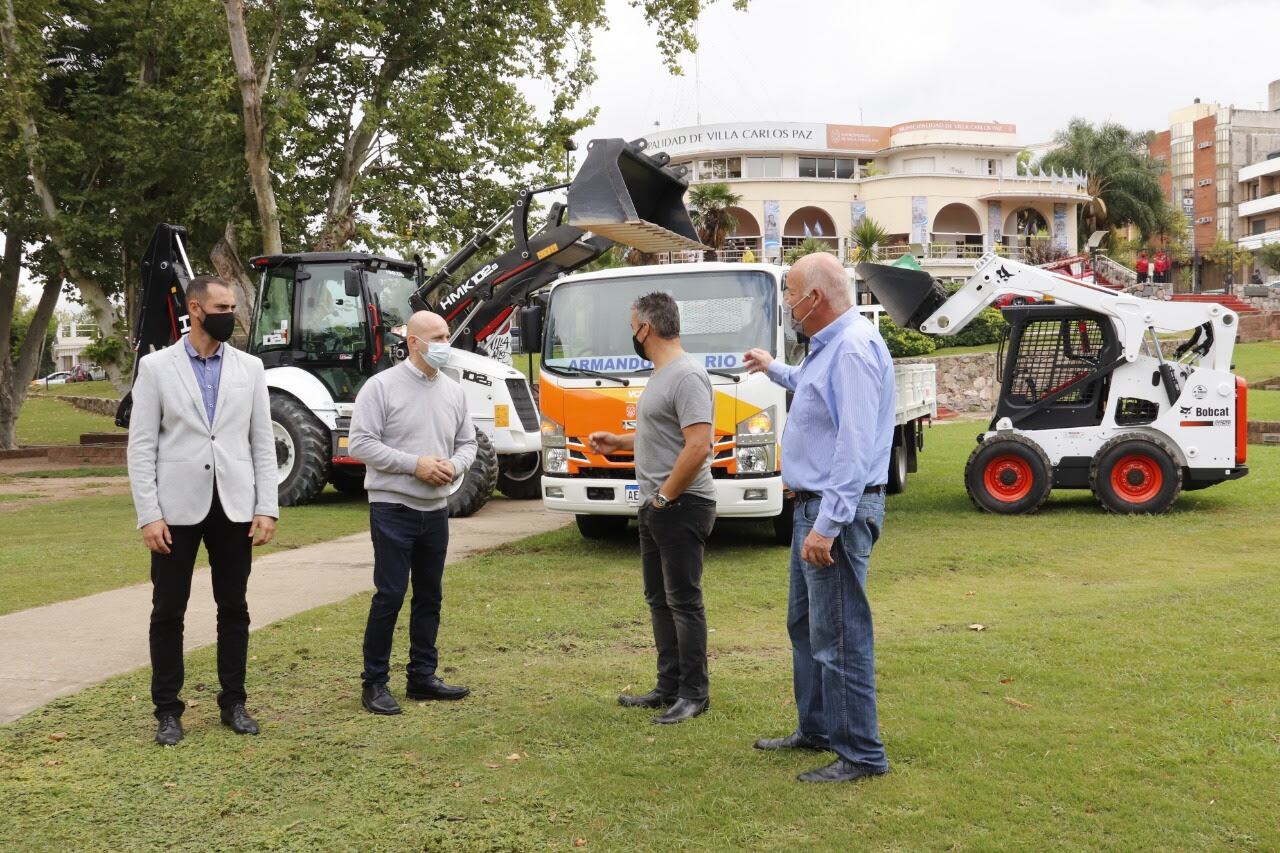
x=722 y=315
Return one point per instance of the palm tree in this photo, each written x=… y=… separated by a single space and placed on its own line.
x=808 y=246
x=1122 y=177
x=709 y=209
x=866 y=238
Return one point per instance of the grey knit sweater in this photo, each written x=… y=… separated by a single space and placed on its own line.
x=400 y=415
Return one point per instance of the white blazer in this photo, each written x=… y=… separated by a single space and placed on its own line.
x=174 y=453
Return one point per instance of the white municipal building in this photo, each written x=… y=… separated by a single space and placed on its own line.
x=947 y=191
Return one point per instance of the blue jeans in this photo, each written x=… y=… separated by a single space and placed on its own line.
x=407 y=544
x=832 y=646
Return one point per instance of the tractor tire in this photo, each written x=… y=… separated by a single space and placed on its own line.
x=898 y=458
x=478 y=483
x=303 y=451
x=1136 y=474
x=1008 y=475
x=520 y=476
x=602 y=526
x=348 y=479
x=783 y=521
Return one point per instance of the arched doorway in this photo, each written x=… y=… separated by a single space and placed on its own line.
x=1025 y=222
x=809 y=222
x=745 y=237
x=956 y=232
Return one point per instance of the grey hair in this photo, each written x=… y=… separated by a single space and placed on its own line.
x=198 y=287
x=660 y=311
x=823 y=271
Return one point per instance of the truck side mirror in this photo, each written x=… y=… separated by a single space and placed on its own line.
x=352 y=280
x=531 y=317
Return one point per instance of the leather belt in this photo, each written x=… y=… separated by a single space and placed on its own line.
x=807 y=496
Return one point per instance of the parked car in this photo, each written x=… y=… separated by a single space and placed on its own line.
x=79 y=373
x=56 y=378
x=97 y=374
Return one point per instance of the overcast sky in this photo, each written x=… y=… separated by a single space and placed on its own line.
x=1032 y=64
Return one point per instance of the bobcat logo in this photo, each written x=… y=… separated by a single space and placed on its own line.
x=1003 y=274
x=1186 y=410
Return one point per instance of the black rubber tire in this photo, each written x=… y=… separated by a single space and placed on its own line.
x=478 y=483
x=310 y=445
x=520 y=475
x=1158 y=451
x=897 y=482
x=783 y=521
x=348 y=479
x=602 y=526
x=1029 y=456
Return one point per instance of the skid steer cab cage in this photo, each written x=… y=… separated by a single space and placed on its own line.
x=632 y=198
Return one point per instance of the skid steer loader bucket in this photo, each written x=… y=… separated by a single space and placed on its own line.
x=631 y=198
x=909 y=295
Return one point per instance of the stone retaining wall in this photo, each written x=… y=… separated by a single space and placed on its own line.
x=966 y=383
x=1264 y=432
x=98 y=405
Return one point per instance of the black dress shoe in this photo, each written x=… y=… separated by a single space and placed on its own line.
x=795 y=740
x=840 y=771
x=238 y=720
x=168 y=730
x=652 y=699
x=376 y=699
x=683 y=709
x=434 y=688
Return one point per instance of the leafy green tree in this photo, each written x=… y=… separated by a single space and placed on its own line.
x=1269 y=256
x=709 y=209
x=1122 y=177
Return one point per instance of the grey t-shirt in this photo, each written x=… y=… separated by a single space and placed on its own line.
x=677 y=396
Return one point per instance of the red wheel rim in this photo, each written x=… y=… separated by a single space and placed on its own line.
x=1008 y=478
x=1136 y=478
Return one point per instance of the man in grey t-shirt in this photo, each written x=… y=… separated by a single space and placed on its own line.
x=672 y=445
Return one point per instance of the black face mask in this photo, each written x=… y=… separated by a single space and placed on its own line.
x=219 y=326
x=639 y=348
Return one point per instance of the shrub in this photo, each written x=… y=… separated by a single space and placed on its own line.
x=986 y=328
x=904 y=342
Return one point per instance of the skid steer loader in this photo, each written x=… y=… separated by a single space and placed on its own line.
x=1088 y=398
x=324 y=322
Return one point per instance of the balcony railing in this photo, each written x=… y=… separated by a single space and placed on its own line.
x=1253 y=207
x=1257 y=241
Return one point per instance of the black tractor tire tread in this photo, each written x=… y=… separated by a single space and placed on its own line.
x=1013 y=438
x=312 y=447
x=896 y=483
x=479 y=481
x=520 y=490
x=1164 y=445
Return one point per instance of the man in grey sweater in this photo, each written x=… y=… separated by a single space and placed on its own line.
x=412 y=431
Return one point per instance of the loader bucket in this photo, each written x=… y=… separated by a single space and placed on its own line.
x=629 y=197
x=909 y=295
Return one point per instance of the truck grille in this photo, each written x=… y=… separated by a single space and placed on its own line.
x=523 y=402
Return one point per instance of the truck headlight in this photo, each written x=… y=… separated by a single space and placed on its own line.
x=555 y=460
x=755 y=460
x=552 y=433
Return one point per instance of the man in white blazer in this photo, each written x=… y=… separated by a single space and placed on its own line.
x=202 y=467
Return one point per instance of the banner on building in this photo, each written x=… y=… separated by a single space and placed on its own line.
x=857 y=213
x=1060 y=227
x=995 y=221
x=772 y=231
x=919 y=219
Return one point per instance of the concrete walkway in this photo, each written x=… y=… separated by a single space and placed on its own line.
x=51 y=651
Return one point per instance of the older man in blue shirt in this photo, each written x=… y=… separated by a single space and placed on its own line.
x=835 y=457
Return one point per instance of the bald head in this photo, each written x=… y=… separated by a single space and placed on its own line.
x=428 y=326
x=823 y=272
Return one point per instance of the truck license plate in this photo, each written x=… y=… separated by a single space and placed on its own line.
x=633 y=495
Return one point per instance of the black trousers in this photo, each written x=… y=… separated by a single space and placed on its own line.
x=230 y=555
x=409 y=546
x=671 y=547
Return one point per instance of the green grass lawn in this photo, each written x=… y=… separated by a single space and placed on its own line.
x=47 y=420
x=1257 y=361
x=1122 y=696
x=79 y=389
x=1264 y=405
x=54 y=552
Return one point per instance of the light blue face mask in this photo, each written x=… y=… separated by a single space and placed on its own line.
x=437 y=354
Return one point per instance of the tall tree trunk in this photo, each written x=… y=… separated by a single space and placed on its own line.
x=91 y=290
x=225 y=257
x=15 y=378
x=255 y=129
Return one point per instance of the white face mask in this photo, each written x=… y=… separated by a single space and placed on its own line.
x=436 y=353
x=797 y=323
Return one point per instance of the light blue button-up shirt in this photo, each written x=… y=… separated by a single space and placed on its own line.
x=840 y=428
x=208 y=374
